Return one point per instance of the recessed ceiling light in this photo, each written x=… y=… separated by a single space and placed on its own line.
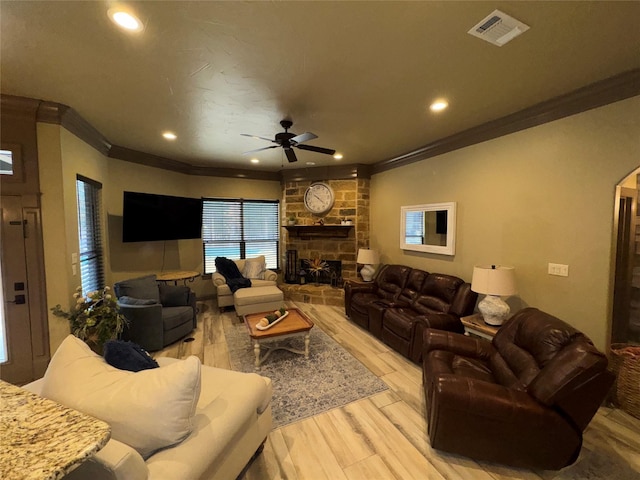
x=255 y=160
x=169 y=135
x=125 y=19
x=337 y=156
x=311 y=163
x=439 y=105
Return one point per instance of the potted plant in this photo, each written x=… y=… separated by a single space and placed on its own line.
x=292 y=220
x=95 y=318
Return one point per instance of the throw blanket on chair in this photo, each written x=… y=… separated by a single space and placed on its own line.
x=229 y=270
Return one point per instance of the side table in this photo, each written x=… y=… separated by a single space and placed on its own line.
x=475 y=325
x=185 y=276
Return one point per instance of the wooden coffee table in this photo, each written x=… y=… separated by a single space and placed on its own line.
x=295 y=324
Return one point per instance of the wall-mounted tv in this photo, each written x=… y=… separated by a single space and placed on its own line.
x=148 y=217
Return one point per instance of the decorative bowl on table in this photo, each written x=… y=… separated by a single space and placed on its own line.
x=268 y=321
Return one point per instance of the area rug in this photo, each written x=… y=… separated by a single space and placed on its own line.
x=330 y=378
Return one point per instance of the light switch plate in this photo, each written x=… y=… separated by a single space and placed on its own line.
x=74 y=258
x=558 y=269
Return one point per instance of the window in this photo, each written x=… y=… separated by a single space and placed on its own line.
x=11 y=164
x=414 y=230
x=90 y=238
x=237 y=228
x=6 y=162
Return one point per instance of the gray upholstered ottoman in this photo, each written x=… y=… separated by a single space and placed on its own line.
x=257 y=299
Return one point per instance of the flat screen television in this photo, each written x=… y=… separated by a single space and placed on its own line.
x=149 y=217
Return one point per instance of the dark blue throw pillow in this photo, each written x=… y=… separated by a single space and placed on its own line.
x=127 y=356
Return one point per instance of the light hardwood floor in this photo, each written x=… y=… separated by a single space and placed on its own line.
x=384 y=436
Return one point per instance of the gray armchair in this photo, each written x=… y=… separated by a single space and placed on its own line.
x=158 y=315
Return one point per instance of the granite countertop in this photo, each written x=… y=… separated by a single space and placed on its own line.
x=41 y=439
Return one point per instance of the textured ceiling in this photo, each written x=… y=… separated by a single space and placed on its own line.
x=360 y=75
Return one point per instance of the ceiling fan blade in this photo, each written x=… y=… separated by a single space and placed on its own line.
x=303 y=137
x=312 y=148
x=259 y=149
x=256 y=136
x=291 y=155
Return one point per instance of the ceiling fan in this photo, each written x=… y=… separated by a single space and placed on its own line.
x=289 y=140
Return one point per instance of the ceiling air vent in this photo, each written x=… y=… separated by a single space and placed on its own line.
x=498 y=28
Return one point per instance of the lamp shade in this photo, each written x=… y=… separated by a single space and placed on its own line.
x=367 y=256
x=494 y=280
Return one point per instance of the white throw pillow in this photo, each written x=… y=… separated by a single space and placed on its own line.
x=147 y=410
x=254 y=268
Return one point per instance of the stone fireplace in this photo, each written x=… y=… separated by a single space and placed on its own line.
x=331 y=242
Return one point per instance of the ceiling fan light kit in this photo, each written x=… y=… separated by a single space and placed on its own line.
x=287 y=140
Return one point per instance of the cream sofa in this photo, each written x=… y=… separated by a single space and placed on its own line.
x=224 y=294
x=229 y=415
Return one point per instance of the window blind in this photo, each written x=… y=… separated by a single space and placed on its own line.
x=238 y=228
x=89 y=234
x=414 y=225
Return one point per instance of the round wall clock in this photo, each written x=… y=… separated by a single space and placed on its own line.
x=318 y=198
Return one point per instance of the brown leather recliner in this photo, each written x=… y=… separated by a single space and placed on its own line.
x=522 y=400
x=363 y=301
x=436 y=301
x=402 y=301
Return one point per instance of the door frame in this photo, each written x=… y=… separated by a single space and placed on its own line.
x=35 y=288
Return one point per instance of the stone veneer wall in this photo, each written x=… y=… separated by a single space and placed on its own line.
x=351 y=203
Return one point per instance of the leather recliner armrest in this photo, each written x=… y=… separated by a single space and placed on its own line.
x=358 y=287
x=352 y=288
x=457 y=343
x=439 y=321
x=489 y=400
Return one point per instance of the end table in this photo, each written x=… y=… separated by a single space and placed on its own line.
x=475 y=325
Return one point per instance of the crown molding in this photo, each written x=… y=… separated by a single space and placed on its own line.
x=610 y=90
x=150 y=160
x=332 y=172
x=19 y=107
x=595 y=95
x=234 y=173
x=60 y=114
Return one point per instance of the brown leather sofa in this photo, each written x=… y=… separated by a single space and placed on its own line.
x=523 y=399
x=402 y=302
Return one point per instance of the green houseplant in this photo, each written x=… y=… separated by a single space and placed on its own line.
x=95 y=318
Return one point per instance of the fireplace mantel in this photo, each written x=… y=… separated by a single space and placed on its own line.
x=324 y=231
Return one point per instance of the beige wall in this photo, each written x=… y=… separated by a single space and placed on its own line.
x=139 y=258
x=61 y=157
x=533 y=197
x=542 y=195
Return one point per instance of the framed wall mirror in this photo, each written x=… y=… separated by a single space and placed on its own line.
x=429 y=228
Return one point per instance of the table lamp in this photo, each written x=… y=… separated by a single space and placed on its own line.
x=368 y=258
x=493 y=281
